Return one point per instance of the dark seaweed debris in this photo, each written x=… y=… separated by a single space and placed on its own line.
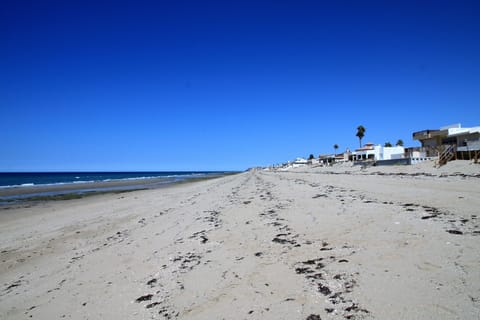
x=151 y=305
x=151 y=282
x=324 y=289
x=455 y=231
x=146 y=297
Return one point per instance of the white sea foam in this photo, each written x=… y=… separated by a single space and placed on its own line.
x=18 y=186
x=167 y=178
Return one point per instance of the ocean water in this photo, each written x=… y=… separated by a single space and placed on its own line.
x=29 y=179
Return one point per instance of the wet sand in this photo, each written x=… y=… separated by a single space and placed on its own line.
x=73 y=187
x=322 y=243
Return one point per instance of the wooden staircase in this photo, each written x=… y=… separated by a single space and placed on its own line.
x=446 y=155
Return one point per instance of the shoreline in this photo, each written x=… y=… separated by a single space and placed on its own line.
x=21 y=192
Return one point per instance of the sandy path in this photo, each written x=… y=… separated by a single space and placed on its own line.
x=258 y=245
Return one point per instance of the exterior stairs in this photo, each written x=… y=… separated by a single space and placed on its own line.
x=446 y=155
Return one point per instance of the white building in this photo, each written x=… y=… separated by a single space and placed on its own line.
x=299 y=162
x=391 y=153
x=377 y=152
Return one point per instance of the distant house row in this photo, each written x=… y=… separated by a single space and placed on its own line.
x=444 y=144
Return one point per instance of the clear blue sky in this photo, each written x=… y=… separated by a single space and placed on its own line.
x=226 y=85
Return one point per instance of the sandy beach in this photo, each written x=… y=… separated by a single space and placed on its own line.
x=340 y=242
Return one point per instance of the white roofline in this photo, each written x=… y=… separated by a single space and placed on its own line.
x=462 y=131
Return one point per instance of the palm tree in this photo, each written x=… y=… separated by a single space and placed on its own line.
x=360 y=133
x=311 y=157
x=387 y=144
x=400 y=143
x=335 y=146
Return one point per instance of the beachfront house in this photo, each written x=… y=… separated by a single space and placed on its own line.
x=342 y=157
x=299 y=162
x=377 y=153
x=450 y=142
x=327 y=159
x=367 y=152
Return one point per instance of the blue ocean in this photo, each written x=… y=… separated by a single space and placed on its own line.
x=28 y=179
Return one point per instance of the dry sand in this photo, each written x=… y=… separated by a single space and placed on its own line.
x=322 y=243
